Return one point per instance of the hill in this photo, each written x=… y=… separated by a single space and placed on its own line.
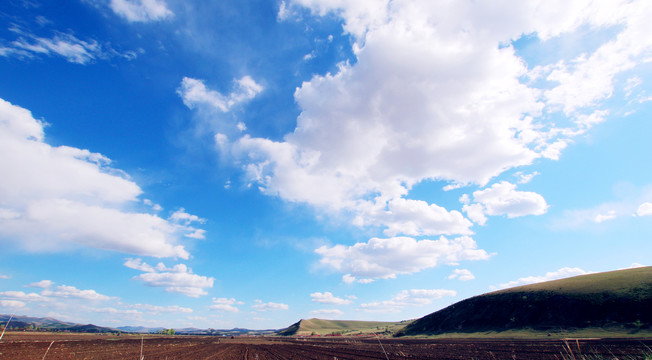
x=612 y=300
x=340 y=327
x=50 y=324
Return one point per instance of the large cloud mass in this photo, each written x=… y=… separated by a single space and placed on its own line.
x=437 y=91
x=52 y=197
x=433 y=97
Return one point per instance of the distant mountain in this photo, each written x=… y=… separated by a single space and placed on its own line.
x=51 y=324
x=196 y=331
x=140 y=329
x=306 y=327
x=617 y=299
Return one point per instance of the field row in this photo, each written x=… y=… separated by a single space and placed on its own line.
x=187 y=347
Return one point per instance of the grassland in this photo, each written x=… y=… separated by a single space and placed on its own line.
x=306 y=327
x=611 y=304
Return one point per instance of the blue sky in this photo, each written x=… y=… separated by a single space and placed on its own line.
x=251 y=163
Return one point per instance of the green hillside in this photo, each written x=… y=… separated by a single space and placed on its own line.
x=342 y=327
x=619 y=300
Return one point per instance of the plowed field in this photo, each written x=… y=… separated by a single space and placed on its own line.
x=34 y=346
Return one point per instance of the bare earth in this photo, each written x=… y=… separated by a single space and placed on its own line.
x=85 y=346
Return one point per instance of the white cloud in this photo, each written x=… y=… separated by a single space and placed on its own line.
x=553 y=275
x=328 y=298
x=503 y=199
x=283 y=11
x=141 y=10
x=194 y=93
x=609 y=215
x=385 y=258
x=462 y=275
x=414 y=297
x=19 y=295
x=65 y=291
x=589 y=78
x=475 y=212
x=178 y=279
x=12 y=304
x=114 y=311
x=327 y=313
x=525 y=178
x=645 y=209
x=406 y=113
x=5 y=276
x=261 y=306
x=42 y=284
x=56 y=197
x=66 y=45
x=635 y=265
x=155 y=309
x=224 y=304
x=416 y=218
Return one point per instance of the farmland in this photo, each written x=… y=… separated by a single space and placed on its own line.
x=19 y=345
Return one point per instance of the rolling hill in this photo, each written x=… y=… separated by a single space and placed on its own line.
x=612 y=300
x=51 y=324
x=342 y=327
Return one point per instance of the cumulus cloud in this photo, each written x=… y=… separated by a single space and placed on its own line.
x=416 y=218
x=436 y=92
x=429 y=97
x=553 y=275
x=224 y=304
x=462 y=275
x=178 y=279
x=503 y=199
x=645 y=209
x=141 y=10
x=328 y=298
x=261 y=306
x=55 y=197
x=385 y=258
x=2 y=276
x=414 y=297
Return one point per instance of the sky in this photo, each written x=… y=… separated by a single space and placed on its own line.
x=249 y=163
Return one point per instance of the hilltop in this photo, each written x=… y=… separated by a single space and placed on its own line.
x=612 y=300
x=340 y=327
x=50 y=324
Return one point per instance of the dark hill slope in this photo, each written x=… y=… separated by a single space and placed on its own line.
x=620 y=298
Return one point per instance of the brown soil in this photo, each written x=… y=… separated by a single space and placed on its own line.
x=81 y=346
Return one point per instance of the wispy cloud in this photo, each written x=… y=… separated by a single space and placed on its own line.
x=65 y=45
x=462 y=275
x=553 y=275
x=414 y=297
